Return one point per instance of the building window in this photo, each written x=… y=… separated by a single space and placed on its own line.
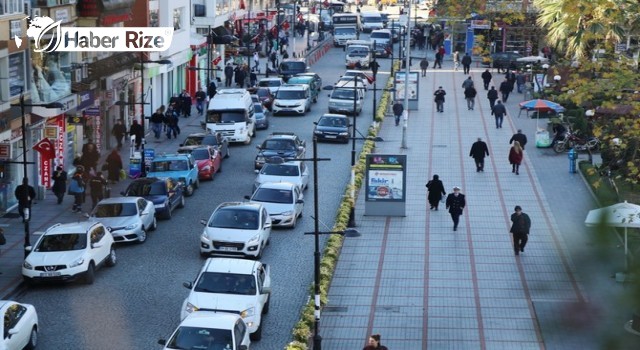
x=17 y=74
x=49 y=80
x=177 y=18
x=154 y=20
x=4 y=84
x=8 y=7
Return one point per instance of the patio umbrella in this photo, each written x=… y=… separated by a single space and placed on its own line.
x=624 y=215
x=541 y=106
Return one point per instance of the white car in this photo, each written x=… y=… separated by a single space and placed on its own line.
x=239 y=286
x=273 y=84
x=283 y=201
x=209 y=330
x=295 y=172
x=69 y=251
x=20 y=327
x=236 y=229
x=364 y=79
x=127 y=218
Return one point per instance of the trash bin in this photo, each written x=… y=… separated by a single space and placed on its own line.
x=543 y=140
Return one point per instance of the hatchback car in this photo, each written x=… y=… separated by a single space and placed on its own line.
x=295 y=172
x=273 y=84
x=332 y=127
x=236 y=229
x=506 y=60
x=209 y=330
x=283 y=201
x=207 y=158
x=127 y=218
x=285 y=145
x=165 y=194
x=316 y=78
x=66 y=252
x=264 y=94
x=262 y=116
x=20 y=327
x=215 y=139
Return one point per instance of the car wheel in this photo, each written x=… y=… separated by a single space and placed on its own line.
x=227 y=154
x=259 y=256
x=168 y=214
x=181 y=204
x=219 y=168
x=90 y=275
x=154 y=225
x=111 y=259
x=189 y=192
x=295 y=221
x=142 y=237
x=204 y=255
x=33 y=339
x=248 y=141
x=265 y=309
x=257 y=335
x=197 y=183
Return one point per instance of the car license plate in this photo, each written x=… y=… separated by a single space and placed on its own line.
x=229 y=249
x=50 y=274
x=330 y=136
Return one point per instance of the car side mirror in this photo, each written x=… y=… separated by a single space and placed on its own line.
x=96 y=245
x=187 y=285
x=28 y=248
x=182 y=144
x=299 y=201
x=266 y=290
x=256 y=171
x=162 y=341
x=258 y=148
x=203 y=222
x=247 y=197
x=267 y=225
x=315 y=123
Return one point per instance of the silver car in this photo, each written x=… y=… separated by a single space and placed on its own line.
x=127 y=218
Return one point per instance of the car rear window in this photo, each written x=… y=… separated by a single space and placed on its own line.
x=141 y=189
x=112 y=210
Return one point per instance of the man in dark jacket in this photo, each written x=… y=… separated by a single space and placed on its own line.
x=228 y=75
x=398 y=109
x=424 y=64
x=498 y=112
x=520 y=137
x=492 y=96
x=455 y=203
x=470 y=95
x=479 y=150
x=136 y=130
x=505 y=90
x=520 y=229
x=200 y=99
x=185 y=98
x=212 y=89
x=25 y=195
x=486 y=78
x=466 y=63
x=118 y=131
x=439 y=99
x=156 y=122
x=241 y=76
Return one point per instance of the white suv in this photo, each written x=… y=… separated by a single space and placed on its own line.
x=238 y=286
x=292 y=99
x=68 y=251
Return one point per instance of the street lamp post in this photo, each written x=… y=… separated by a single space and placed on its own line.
x=406 y=86
x=25 y=181
x=352 y=215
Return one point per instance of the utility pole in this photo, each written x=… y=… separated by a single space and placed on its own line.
x=406 y=85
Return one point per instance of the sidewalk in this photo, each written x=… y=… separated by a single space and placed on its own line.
x=423 y=286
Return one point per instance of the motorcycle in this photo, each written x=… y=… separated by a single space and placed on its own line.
x=571 y=140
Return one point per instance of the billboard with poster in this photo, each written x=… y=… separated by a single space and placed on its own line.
x=385 y=184
x=401 y=87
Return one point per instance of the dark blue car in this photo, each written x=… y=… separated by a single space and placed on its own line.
x=165 y=194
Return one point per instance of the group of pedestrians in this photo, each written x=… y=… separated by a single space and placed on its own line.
x=167 y=119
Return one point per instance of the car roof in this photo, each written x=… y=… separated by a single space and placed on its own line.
x=281 y=136
x=287 y=163
x=333 y=115
x=210 y=319
x=173 y=156
x=230 y=265
x=194 y=147
x=278 y=185
x=71 y=227
x=240 y=205
x=270 y=79
x=293 y=60
x=117 y=200
x=148 y=180
x=200 y=134
x=293 y=87
x=312 y=74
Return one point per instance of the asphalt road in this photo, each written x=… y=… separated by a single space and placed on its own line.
x=138 y=301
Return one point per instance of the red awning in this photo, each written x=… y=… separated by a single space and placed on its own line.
x=116 y=16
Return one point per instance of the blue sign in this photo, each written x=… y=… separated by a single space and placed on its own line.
x=135 y=167
x=149 y=154
x=85 y=99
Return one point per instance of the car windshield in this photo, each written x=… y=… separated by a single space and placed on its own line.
x=297 y=66
x=193 y=141
x=225 y=117
x=200 y=154
x=267 y=83
x=344 y=31
x=242 y=219
x=343 y=94
x=333 y=122
x=358 y=53
x=272 y=195
x=379 y=36
x=169 y=165
x=226 y=283
x=257 y=108
x=199 y=338
x=114 y=210
x=62 y=242
x=263 y=92
x=282 y=145
x=141 y=189
x=290 y=95
x=280 y=170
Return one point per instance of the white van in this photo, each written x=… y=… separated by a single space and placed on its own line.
x=358 y=56
x=341 y=99
x=371 y=21
x=292 y=98
x=382 y=42
x=231 y=113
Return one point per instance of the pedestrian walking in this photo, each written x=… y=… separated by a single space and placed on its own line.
x=515 y=157
x=256 y=61
x=478 y=151
x=118 y=131
x=467 y=83
x=76 y=189
x=90 y=157
x=137 y=131
x=498 y=112
x=97 y=185
x=113 y=166
x=176 y=102
x=186 y=103
x=455 y=203
x=520 y=137
x=374 y=65
x=486 y=78
x=398 y=109
x=25 y=194
x=492 y=96
x=228 y=74
x=439 y=99
x=241 y=76
x=59 y=187
x=3 y=240
x=201 y=97
x=470 y=95
x=438 y=60
x=436 y=192
x=273 y=57
x=375 y=343
x=505 y=90
x=456 y=60
x=212 y=89
x=424 y=64
x=520 y=227
x=171 y=121
x=466 y=63
x=156 y=122
x=521 y=79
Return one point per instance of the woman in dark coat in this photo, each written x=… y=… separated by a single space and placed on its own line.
x=59 y=187
x=90 y=158
x=436 y=191
x=114 y=165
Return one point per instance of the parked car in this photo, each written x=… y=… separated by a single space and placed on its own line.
x=262 y=116
x=506 y=60
x=273 y=84
x=20 y=327
x=295 y=172
x=286 y=145
x=309 y=81
x=236 y=229
x=215 y=139
x=127 y=218
x=180 y=167
x=283 y=201
x=208 y=159
x=265 y=96
x=292 y=99
x=332 y=127
x=316 y=78
x=165 y=194
x=292 y=66
x=239 y=286
x=209 y=330
x=65 y=252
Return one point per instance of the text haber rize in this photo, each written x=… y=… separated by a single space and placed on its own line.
x=133 y=40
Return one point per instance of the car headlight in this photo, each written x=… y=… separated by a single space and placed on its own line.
x=317 y=132
x=27 y=266
x=259 y=159
x=207 y=168
x=248 y=312
x=254 y=239
x=130 y=227
x=161 y=205
x=287 y=213
x=78 y=262
x=182 y=179
x=344 y=134
x=190 y=308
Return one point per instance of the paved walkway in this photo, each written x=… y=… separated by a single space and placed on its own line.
x=423 y=286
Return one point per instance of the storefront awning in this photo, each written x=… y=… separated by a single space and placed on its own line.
x=197 y=41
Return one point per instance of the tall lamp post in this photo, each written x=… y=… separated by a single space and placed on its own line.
x=27 y=213
x=406 y=84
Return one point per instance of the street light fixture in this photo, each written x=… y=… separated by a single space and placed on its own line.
x=27 y=214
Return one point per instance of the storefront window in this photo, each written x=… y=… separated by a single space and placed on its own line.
x=49 y=82
x=17 y=74
x=11 y=6
x=177 y=18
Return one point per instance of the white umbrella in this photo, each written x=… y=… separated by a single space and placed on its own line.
x=533 y=59
x=618 y=215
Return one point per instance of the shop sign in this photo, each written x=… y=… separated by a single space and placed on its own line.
x=62 y=15
x=45 y=172
x=68 y=103
x=74 y=119
x=85 y=99
x=57 y=127
x=5 y=150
